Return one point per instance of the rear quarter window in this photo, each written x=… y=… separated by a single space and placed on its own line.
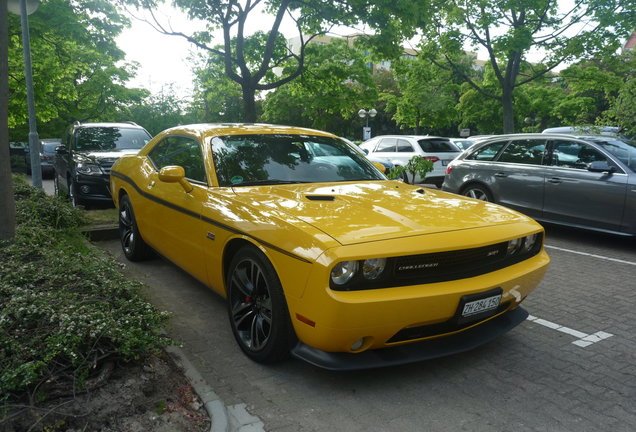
x=438 y=146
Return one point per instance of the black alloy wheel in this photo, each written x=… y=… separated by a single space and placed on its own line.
x=257 y=308
x=134 y=247
x=72 y=193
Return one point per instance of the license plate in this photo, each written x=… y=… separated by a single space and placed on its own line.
x=481 y=305
x=445 y=162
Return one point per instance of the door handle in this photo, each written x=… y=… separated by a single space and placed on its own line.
x=501 y=174
x=555 y=180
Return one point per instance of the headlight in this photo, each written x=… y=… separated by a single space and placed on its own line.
x=529 y=242
x=373 y=268
x=343 y=272
x=514 y=245
x=88 y=169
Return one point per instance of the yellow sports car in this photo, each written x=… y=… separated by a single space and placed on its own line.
x=317 y=253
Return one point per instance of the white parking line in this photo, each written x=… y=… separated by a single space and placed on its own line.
x=583 y=340
x=592 y=255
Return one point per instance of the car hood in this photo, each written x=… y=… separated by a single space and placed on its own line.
x=361 y=212
x=102 y=156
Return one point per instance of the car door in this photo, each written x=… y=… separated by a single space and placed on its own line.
x=178 y=231
x=61 y=162
x=519 y=175
x=575 y=195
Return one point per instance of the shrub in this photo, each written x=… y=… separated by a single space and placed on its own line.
x=65 y=307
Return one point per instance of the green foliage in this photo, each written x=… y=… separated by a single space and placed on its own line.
x=66 y=307
x=335 y=85
x=78 y=70
x=416 y=166
x=161 y=111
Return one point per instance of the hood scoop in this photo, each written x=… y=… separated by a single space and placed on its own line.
x=320 y=197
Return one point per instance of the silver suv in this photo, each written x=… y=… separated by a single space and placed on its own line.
x=587 y=182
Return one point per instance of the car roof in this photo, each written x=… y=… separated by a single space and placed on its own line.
x=417 y=137
x=121 y=125
x=218 y=129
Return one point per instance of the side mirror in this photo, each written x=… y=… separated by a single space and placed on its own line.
x=601 y=166
x=379 y=166
x=61 y=150
x=175 y=174
x=365 y=151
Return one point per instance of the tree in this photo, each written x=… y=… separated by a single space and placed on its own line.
x=77 y=67
x=7 y=203
x=312 y=18
x=160 y=111
x=507 y=30
x=328 y=95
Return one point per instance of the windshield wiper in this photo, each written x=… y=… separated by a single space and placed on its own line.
x=267 y=182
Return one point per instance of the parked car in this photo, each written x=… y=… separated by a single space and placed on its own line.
x=462 y=143
x=584 y=182
x=317 y=253
x=18 y=152
x=385 y=163
x=399 y=149
x=87 y=152
x=47 y=156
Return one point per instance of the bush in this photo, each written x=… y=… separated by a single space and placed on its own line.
x=65 y=307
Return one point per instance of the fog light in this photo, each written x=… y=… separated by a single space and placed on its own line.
x=85 y=189
x=357 y=344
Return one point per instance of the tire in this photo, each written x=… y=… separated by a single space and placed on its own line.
x=56 y=185
x=477 y=191
x=257 y=308
x=72 y=195
x=133 y=245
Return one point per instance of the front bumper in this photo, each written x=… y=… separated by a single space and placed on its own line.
x=413 y=352
x=93 y=188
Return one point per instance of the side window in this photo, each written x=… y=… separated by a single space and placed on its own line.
x=403 y=146
x=524 y=152
x=181 y=151
x=386 y=145
x=488 y=152
x=570 y=154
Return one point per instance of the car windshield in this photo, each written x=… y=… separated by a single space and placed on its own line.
x=437 y=146
x=623 y=151
x=110 y=138
x=245 y=160
x=50 y=146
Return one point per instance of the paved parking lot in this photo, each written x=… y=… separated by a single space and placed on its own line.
x=571 y=367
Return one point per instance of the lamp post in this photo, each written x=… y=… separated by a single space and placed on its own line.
x=366 y=131
x=25 y=8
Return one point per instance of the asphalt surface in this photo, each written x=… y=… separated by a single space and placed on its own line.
x=570 y=367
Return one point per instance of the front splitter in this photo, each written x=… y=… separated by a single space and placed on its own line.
x=413 y=352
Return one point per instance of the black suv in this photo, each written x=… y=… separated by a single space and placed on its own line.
x=88 y=150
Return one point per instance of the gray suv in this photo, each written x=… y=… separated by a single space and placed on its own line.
x=84 y=158
x=580 y=181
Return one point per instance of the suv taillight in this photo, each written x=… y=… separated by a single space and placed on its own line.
x=431 y=158
x=449 y=169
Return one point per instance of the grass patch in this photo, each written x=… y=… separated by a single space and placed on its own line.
x=102 y=217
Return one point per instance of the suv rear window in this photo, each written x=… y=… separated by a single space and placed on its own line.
x=437 y=146
x=110 y=138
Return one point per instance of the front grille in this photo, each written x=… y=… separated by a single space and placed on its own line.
x=436 y=267
x=441 y=266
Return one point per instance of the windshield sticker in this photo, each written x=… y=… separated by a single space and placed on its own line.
x=236 y=179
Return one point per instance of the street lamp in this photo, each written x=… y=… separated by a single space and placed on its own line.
x=366 y=131
x=25 y=8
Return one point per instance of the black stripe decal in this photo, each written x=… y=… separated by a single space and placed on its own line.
x=201 y=217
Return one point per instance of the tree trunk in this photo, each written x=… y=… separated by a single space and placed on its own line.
x=7 y=203
x=508 y=111
x=249 y=104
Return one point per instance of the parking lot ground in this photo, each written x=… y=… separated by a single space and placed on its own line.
x=542 y=376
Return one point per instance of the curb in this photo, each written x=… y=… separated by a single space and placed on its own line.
x=212 y=402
